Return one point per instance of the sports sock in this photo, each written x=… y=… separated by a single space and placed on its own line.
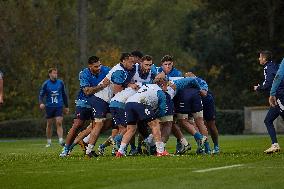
x=60 y=140
x=184 y=141
x=207 y=146
x=49 y=141
x=122 y=148
x=72 y=146
x=86 y=139
x=197 y=136
x=118 y=139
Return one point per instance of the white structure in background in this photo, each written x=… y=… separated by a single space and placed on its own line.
x=254 y=120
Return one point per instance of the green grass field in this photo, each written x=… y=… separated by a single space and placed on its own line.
x=28 y=164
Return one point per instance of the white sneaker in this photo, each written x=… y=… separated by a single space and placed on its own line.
x=48 y=145
x=274 y=148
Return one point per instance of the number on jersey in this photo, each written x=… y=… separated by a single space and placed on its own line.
x=54 y=99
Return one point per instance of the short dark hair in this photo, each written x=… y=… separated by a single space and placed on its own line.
x=147 y=57
x=267 y=54
x=51 y=69
x=93 y=59
x=137 y=53
x=167 y=58
x=124 y=56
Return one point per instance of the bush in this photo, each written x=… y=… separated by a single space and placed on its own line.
x=230 y=121
x=29 y=127
x=227 y=121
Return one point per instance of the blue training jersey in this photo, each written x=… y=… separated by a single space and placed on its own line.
x=186 y=82
x=55 y=93
x=269 y=71
x=173 y=73
x=122 y=76
x=88 y=79
x=278 y=85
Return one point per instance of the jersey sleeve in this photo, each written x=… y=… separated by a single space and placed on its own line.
x=278 y=78
x=186 y=82
x=161 y=104
x=203 y=84
x=269 y=76
x=83 y=79
x=178 y=74
x=119 y=77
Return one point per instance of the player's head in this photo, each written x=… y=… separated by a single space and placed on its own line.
x=264 y=56
x=146 y=63
x=52 y=72
x=137 y=56
x=161 y=80
x=94 y=64
x=167 y=63
x=127 y=60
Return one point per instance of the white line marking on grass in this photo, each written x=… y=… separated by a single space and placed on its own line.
x=218 y=168
x=157 y=168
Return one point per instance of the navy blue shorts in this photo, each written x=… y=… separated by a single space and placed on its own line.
x=209 y=111
x=138 y=112
x=52 y=112
x=99 y=107
x=83 y=113
x=118 y=116
x=188 y=101
x=169 y=105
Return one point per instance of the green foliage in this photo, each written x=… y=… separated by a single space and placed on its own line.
x=230 y=121
x=218 y=40
x=29 y=127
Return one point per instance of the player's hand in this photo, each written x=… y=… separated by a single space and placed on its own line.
x=173 y=86
x=133 y=86
x=106 y=82
x=255 y=87
x=203 y=93
x=189 y=74
x=272 y=101
x=42 y=106
x=66 y=110
x=1 y=101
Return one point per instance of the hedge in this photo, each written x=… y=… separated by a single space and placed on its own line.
x=228 y=122
x=29 y=127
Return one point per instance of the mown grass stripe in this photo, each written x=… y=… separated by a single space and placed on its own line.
x=218 y=168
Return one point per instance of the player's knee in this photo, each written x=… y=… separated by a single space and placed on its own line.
x=77 y=124
x=198 y=114
x=268 y=121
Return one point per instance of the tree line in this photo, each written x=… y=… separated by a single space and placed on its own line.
x=217 y=40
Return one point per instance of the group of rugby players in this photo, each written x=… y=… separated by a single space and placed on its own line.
x=135 y=96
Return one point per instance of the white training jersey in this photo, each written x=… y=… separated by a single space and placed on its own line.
x=107 y=93
x=170 y=90
x=147 y=94
x=137 y=79
x=123 y=95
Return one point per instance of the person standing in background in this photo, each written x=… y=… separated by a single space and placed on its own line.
x=54 y=91
x=270 y=70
